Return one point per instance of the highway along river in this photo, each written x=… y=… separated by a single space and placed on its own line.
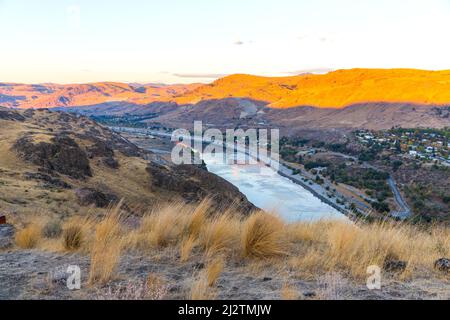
x=268 y=190
x=262 y=185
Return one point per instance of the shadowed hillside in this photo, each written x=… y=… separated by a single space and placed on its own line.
x=59 y=163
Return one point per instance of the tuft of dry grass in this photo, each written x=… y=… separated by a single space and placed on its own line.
x=107 y=247
x=73 y=237
x=263 y=236
x=200 y=289
x=163 y=227
x=220 y=235
x=28 y=237
x=214 y=270
x=186 y=248
x=198 y=218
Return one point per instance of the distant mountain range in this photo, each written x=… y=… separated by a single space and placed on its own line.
x=372 y=98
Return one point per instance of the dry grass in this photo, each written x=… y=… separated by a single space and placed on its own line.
x=163 y=227
x=106 y=249
x=73 y=237
x=309 y=250
x=200 y=289
x=28 y=237
x=198 y=218
x=353 y=247
x=214 y=270
x=263 y=236
x=221 y=235
x=186 y=248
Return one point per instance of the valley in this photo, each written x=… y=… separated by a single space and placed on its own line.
x=86 y=178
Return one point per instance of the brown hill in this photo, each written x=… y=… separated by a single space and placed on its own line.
x=59 y=163
x=55 y=95
x=337 y=89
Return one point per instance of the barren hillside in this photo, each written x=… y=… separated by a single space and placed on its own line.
x=58 y=163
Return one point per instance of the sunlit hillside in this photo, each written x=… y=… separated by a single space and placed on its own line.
x=335 y=90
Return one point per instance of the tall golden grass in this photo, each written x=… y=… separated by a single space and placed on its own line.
x=214 y=270
x=107 y=246
x=263 y=236
x=28 y=237
x=309 y=249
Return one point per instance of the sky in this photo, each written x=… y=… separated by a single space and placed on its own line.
x=180 y=41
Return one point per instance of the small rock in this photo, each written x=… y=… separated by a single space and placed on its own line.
x=392 y=265
x=7 y=233
x=442 y=264
x=199 y=266
x=309 y=294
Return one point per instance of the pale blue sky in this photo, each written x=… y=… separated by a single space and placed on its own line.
x=197 y=40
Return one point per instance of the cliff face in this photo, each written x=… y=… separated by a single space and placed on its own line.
x=61 y=163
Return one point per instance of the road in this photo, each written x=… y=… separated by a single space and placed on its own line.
x=405 y=211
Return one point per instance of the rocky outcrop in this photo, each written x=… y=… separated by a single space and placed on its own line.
x=47 y=181
x=194 y=184
x=90 y=196
x=101 y=149
x=442 y=264
x=7 y=233
x=62 y=155
x=7 y=114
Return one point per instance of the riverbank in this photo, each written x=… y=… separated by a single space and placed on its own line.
x=308 y=200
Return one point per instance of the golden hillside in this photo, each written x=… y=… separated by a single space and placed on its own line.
x=334 y=90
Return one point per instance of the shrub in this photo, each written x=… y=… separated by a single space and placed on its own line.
x=52 y=230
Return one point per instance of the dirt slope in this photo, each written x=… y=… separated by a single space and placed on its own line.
x=58 y=163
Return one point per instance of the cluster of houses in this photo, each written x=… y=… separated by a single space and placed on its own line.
x=415 y=144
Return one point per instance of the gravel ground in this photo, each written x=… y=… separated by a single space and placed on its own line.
x=41 y=275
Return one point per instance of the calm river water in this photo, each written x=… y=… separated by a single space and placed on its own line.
x=268 y=190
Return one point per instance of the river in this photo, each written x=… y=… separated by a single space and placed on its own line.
x=264 y=187
x=268 y=190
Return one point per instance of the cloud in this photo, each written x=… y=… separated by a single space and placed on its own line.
x=200 y=75
x=312 y=70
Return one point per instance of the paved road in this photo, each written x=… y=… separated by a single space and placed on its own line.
x=405 y=211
